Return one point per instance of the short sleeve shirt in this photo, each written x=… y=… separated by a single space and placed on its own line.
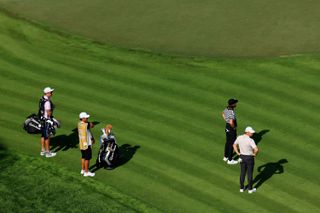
x=246 y=144
x=229 y=115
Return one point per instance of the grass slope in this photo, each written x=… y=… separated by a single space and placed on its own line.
x=169 y=107
x=29 y=184
x=188 y=27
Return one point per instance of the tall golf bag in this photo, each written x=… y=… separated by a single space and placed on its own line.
x=108 y=152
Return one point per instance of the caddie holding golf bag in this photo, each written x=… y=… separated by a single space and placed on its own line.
x=48 y=123
x=109 y=151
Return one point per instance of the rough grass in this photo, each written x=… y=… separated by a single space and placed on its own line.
x=170 y=107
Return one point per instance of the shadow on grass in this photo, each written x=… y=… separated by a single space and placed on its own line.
x=257 y=137
x=267 y=170
x=6 y=158
x=65 y=142
x=126 y=151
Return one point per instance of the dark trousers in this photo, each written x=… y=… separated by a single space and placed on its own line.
x=246 y=165
x=231 y=136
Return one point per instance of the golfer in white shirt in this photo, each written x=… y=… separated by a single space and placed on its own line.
x=248 y=150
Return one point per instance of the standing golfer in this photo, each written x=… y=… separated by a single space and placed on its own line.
x=248 y=150
x=46 y=115
x=229 y=116
x=85 y=142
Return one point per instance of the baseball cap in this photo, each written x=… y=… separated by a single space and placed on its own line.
x=249 y=129
x=232 y=101
x=84 y=115
x=47 y=90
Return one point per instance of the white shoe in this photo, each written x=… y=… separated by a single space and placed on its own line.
x=50 y=154
x=89 y=174
x=232 y=162
x=239 y=160
x=252 y=190
x=241 y=190
x=43 y=153
x=225 y=159
x=82 y=172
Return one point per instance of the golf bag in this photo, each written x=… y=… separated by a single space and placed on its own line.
x=32 y=124
x=108 y=152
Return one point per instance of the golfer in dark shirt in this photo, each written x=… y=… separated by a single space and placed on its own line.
x=229 y=116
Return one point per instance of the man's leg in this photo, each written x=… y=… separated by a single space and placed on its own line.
x=86 y=166
x=82 y=164
x=243 y=166
x=250 y=172
x=230 y=140
x=47 y=142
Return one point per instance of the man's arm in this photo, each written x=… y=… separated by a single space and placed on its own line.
x=222 y=114
x=235 y=147
x=255 y=151
x=49 y=113
x=231 y=122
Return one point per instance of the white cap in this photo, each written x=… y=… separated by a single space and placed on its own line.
x=47 y=90
x=249 y=129
x=84 y=115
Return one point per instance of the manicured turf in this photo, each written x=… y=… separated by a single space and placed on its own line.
x=186 y=27
x=168 y=112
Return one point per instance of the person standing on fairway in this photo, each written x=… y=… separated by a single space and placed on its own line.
x=229 y=116
x=46 y=116
x=85 y=142
x=248 y=151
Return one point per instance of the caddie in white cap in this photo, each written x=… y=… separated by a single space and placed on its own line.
x=45 y=113
x=48 y=90
x=86 y=140
x=248 y=151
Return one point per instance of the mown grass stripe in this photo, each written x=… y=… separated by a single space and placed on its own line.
x=160 y=138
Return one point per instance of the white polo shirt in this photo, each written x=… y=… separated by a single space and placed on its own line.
x=47 y=106
x=246 y=144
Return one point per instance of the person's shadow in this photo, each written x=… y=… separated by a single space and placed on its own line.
x=65 y=142
x=257 y=137
x=267 y=170
x=126 y=152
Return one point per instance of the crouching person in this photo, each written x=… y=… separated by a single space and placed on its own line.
x=109 y=151
x=85 y=142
